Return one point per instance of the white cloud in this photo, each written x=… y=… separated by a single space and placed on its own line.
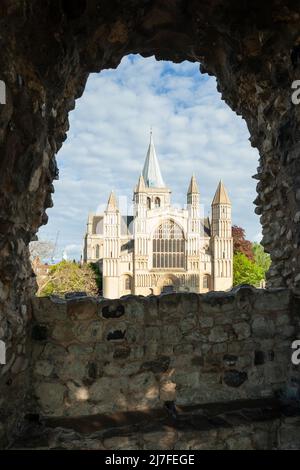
x=194 y=132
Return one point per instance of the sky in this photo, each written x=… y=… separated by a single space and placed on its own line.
x=194 y=132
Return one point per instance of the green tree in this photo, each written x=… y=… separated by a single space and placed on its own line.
x=68 y=276
x=246 y=271
x=261 y=258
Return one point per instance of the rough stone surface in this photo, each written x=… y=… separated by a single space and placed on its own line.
x=157 y=359
x=252 y=47
x=251 y=425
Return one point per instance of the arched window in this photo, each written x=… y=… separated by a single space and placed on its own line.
x=206 y=281
x=99 y=227
x=127 y=283
x=157 y=202
x=168 y=246
x=148 y=202
x=97 y=251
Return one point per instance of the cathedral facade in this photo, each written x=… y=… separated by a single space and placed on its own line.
x=161 y=248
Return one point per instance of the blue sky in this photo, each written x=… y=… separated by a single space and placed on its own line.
x=194 y=132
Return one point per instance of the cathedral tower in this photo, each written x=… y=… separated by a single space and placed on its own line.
x=193 y=232
x=161 y=248
x=221 y=239
x=158 y=195
x=111 y=232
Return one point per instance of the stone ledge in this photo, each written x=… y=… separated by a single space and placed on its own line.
x=198 y=426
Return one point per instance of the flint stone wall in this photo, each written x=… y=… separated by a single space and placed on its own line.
x=94 y=357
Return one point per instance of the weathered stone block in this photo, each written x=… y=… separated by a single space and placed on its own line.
x=135 y=309
x=206 y=322
x=152 y=333
x=50 y=396
x=272 y=300
x=158 y=366
x=242 y=330
x=82 y=309
x=63 y=332
x=107 y=390
x=171 y=334
x=263 y=327
x=160 y=440
x=44 y=368
x=48 y=310
x=218 y=335
x=88 y=332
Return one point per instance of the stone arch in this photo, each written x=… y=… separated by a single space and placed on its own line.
x=206 y=282
x=252 y=49
x=127 y=282
x=157 y=202
x=168 y=281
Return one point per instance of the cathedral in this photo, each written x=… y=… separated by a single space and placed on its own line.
x=161 y=248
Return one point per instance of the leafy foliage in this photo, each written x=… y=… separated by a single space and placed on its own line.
x=246 y=271
x=240 y=244
x=261 y=258
x=68 y=276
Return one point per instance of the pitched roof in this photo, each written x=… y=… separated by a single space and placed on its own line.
x=193 y=187
x=221 y=196
x=151 y=171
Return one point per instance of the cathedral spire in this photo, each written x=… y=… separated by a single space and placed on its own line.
x=112 y=204
x=141 y=185
x=221 y=196
x=151 y=171
x=193 y=187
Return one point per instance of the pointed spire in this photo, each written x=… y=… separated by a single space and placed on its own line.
x=193 y=187
x=140 y=188
x=112 y=202
x=221 y=196
x=151 y=171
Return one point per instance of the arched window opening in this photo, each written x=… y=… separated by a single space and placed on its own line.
x=168 y=246
x=127 y=283
x=206 y=281
x=97 y=255
x=157 y=202
x=148 y=203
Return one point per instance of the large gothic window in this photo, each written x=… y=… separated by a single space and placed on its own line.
x=168 y=246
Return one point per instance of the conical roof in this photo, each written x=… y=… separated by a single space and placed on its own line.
x=112 y=202
x=221 y=196
x=151 y=171
x=193 y=187
x=141 y=185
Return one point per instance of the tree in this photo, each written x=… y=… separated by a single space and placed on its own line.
x=68 y=276
x=240 y=244
x=41 y=249
x=246 y=271
x=261 y=258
